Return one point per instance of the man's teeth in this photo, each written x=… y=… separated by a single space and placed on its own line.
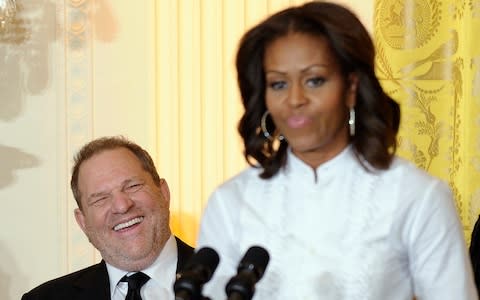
x=128 y=224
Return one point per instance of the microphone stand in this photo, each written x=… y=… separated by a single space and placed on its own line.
x=184 y=295
x=236 y=296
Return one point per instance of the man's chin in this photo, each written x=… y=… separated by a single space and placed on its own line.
x=133 y=263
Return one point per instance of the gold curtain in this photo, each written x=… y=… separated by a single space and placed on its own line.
x=428 y=59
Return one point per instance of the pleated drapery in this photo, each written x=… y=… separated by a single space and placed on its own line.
x=428 y=58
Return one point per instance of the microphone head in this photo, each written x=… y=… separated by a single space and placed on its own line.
x=255 y=260
x=250 y=271
x=197 y=271
x=204 y=262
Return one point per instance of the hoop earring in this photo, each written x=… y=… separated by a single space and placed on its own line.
x=351 y=121
x=263 y=126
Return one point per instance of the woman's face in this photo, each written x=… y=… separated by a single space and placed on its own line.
x=308 y=97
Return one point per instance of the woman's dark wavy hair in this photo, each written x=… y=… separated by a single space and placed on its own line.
x=377 y=115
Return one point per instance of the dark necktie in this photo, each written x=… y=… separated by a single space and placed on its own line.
x=135 y=283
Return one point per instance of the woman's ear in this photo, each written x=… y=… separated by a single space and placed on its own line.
x=352 y=82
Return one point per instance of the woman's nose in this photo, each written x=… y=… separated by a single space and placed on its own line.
x=296 y=96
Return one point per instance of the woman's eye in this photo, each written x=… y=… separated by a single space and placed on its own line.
x=315 y=82
x=277 y=85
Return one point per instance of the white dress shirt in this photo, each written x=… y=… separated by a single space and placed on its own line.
x=162 y=276
x=341 y=233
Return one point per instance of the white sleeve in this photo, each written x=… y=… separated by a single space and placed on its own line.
x=438 y=258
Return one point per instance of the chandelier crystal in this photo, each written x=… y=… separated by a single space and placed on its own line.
x=8 y=9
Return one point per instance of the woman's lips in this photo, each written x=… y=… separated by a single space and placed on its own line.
x=298 y=121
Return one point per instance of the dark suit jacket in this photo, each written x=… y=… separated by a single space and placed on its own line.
x=475 y=253
x=91 y=283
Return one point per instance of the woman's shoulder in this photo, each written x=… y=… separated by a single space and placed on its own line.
x=402 y=165
x=406 y=173
x=238 y=182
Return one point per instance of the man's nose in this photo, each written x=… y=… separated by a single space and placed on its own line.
x=121 y=202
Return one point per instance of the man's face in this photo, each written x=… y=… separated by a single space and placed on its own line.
x=125 y=213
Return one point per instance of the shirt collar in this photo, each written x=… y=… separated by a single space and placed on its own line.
x=161 y=271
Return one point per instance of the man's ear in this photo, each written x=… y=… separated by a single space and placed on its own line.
x=164 y=189
x=80 y=218
x=352 y=87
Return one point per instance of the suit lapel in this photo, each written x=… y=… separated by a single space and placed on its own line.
x=94 y=284
x=184 y=254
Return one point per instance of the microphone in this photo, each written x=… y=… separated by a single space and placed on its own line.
x=250 y=270
x=198 y=270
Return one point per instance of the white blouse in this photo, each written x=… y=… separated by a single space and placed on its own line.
x=340 y=232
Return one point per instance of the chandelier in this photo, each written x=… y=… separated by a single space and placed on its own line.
x=8 y=9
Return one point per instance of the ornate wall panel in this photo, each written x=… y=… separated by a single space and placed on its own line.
x=79 y=112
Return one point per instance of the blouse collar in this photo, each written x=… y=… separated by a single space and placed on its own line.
x=298 y=169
